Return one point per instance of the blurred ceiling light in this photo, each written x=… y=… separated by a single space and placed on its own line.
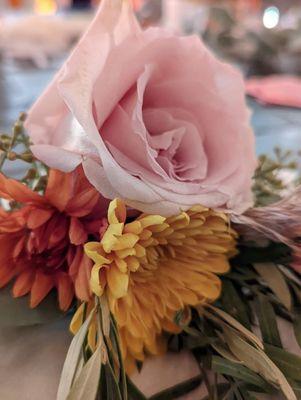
x=45 y=7
x=271 y=17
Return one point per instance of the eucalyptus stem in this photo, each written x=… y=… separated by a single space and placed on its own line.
x=17 y=131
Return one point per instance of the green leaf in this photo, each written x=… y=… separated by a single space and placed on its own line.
x=258 y=361
x=133 y=392
x=178 y=390
x=297 y=292
x=297 y=328
x=297 y=388
x=86 y=384
x=238 y=371
x=222 y=389
x=116 y=341
x=276 y=282
x=112 y=387
x=288 y=363
x=16 y=312
x=233 y=304
x=267 y=321
x=275 y=252
x=217 y=312
x=70 y=369
x=225 y=352
x=192 y=342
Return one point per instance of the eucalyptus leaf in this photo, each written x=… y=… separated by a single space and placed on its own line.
x=116 y=343
x=192 y=342
x=112 y=387
x=257 y=361
x=297 y=328
x=233 y=304
x=276 y=282
x=222 y=389
x=86 y=384
x=297 y=292
x=296 y=388
x=225 y=352
x=238 y=371
x=288 y=363
x=72 y=361
x=236 y=325
x=275 y=252
x=290 y=274
x=16 y=311
x=267 y=321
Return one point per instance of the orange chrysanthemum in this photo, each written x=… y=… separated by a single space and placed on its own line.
x=41 y=243
x=151 y=267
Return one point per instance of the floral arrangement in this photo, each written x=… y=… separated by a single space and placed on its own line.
x=145 y=210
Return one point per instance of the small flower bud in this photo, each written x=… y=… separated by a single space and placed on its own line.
x=12 y=156
x=31 y=174
x=27 y=157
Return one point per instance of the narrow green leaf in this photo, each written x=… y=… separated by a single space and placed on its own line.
x=113 y=391
x=221 y=389
x=297 y=292
x=290 y=274
x=225 y=352
x=178 y=390
x=86 y=384
x=276 y=282
x=297 y=328
x=234 y=324
x=133 y=392
x=258 y=361
x=276 y=252
x=192 y=342
x=296 y=388
x=116 y=339
x=238 y=371
x=70 y=369
x=267 y=321
x=233 y=304
x=288 y=363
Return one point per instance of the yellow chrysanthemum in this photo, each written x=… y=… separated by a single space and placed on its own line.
x=152 y=267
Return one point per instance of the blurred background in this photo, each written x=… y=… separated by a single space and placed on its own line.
x=261 y=37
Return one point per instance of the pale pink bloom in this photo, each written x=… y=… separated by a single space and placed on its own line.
x=282 y=90
x=155 y=119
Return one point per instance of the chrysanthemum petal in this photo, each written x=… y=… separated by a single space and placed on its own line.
x=92 y=250
x=155 y=266
x=118 y=282
x=23 y=283
x=40 y=288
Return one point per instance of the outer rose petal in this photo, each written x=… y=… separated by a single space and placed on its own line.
x=93 y=84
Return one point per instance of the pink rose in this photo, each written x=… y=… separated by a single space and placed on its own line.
x=155 y=119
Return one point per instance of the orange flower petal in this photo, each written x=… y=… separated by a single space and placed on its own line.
x=38 y=217
x=40 y=288
x=118 y=282
x=65 y=290
x=82 y=279
x=77 y=232
x=13 y=190
x=23 y=283
x=63 y=182
x=7 y=272
x=83 y=203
